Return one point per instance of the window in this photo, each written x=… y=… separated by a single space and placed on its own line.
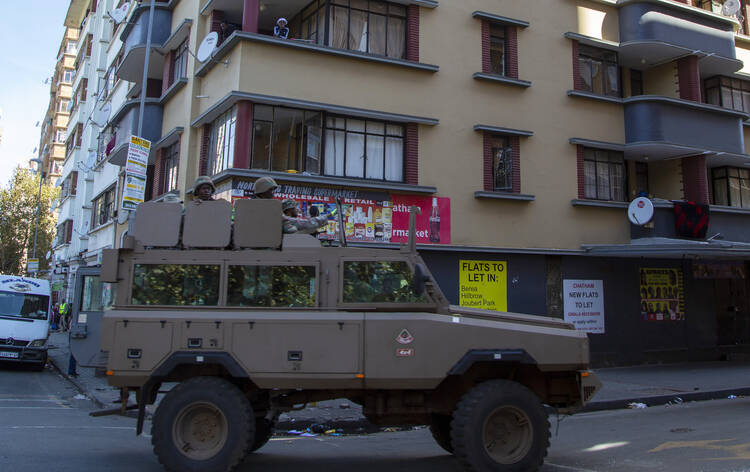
x=728 y=93
x=599 y=71
x=641 y=178
x=108 y=83
x=70 y=47
x=286 y=139
x=175 y=285
x=221 y=145
x=373 y=26
x=502 y=164
x=68 y=76
x=497 y=49
x=56 y=167
x=364 y=149
x=636 y=82
x=64 y=233
x=179 y=62
x=271 y=286
x=169 y=161
x=60 y=136
x=379 y=282
x=62 y=105
x=604 y=175
x=731 y=186
x=103 y=208
x=69 y=185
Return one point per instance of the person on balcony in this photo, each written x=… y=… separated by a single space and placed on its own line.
x=225 y=30
x=281 y=30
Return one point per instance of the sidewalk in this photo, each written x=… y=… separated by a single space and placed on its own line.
x=652 y=385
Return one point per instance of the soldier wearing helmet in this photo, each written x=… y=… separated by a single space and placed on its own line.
x=292 y=223
x=204 y=189
x=264 y=188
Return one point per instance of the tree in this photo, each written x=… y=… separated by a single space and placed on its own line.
x=18 y=206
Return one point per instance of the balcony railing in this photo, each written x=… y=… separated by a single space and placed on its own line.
x=134 y=37
x=125 y=120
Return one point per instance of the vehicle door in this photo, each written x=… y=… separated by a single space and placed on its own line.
x=90 y=299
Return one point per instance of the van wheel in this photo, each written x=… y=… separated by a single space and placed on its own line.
x=203 y=424
x=440 y=427
x=263 y=432
x=500 y=425
x=39 y=366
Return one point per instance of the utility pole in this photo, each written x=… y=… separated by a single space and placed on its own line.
x=38 y=201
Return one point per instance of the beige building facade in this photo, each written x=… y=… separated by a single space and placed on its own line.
x=522 y=130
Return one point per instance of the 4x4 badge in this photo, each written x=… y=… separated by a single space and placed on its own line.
x=405 y=337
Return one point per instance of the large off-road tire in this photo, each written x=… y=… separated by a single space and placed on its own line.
x=263 y=432
x=500 y=425
x=440 y=427
x=203 y=424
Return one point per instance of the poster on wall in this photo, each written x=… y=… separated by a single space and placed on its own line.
x=368 y=216
x=134 y=190
x=483 y=284
x=662 y=295
x=583 y=301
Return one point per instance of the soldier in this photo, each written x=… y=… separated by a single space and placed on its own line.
x=264 y=188
x=203 y=190
x=293 y=224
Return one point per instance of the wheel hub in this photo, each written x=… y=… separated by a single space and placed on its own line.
x=507 y=435
x=200 y=431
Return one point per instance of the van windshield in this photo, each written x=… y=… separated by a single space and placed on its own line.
x=24 y=305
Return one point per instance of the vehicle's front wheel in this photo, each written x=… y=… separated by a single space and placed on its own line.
x=500 y=425
x=263 y=432
x=440 y=427
x=203 y=424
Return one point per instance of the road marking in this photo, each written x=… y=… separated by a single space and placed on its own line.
x=35 y=408
x=50 y=400
x=567 y=467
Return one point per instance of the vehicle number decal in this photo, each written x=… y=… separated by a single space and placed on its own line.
x=401 y=352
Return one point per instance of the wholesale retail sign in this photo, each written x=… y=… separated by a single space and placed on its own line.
x=369 y=216
x=662 y=294
x=583 y=301
x=483 y=284
x=134 y=189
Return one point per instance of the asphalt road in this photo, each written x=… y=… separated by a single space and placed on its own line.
x=43 y=427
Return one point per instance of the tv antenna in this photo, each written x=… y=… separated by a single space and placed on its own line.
x=101 y=116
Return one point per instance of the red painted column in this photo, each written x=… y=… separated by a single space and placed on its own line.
x=412 y=33
x=581 y=175
x=205 y=143
x=158 y=187
x=242 y=135
x=486 y=58
x=577 y=82
x=166 y=75
x=688 y=74
x=695 y=179
x=511 y=52
x=411 y=166
x=489 y=185
x=515 y=145
x=250 y=13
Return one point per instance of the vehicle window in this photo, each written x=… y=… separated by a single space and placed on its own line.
x=271 y=286
x=20 y=305
x=173 y=284
x=97 y=295
x=379 y=282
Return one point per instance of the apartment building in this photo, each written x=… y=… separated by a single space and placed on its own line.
x=54 y=125
x=521 y=129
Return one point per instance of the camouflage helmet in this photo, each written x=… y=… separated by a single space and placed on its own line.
x=264 y=184
x=203 y=180
x=288 y=203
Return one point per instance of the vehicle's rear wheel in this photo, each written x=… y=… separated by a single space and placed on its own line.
x=203 y=424
x=440 y=427
x=263 y=432
x=500 y=425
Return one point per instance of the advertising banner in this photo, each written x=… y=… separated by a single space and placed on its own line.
x=583 y=302
x=662 y=295
x=483 y=284
x=368 y=216
x=32 y=265
x=134 y=190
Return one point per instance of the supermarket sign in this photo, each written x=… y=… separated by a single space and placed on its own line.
x=368 y=216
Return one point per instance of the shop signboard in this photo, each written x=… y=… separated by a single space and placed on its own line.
x=483 y=284
x=662 y=294
x=368 y=216
x=583 y=301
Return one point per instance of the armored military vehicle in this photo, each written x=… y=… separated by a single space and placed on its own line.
x=250 y=323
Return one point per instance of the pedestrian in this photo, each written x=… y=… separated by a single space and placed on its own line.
x=264 y=188
x=203 y=190
x=64 y=314
x=292 y=223
x=55 y=317
x=281 y=30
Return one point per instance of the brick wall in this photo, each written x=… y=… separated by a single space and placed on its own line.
x=166 y=76
x=486 y=59
x=581 y=175
x=205 y=142
x=515 y=144
x=411 y=166
x=158 y=173
x=511 y=52
x=689 y=79
x=487 y=158
x=695 y=179
x=412 y=33
x=577 y=82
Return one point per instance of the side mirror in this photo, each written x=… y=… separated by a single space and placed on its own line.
x=420 y=277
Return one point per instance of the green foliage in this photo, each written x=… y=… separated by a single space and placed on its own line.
x=274 y=286
x=18 y=207
x=174 y=285
x=379 y=282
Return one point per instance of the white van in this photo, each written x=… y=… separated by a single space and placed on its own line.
x=25 y=313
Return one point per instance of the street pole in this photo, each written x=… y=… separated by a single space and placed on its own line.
x=38 y=204
x=145 y=68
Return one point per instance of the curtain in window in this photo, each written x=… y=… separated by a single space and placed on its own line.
x=339 y=27
x=377 y=34
x=355 y=148
x=335 y=150
x=375 y=151
x=222 y=142
x=396 y=37
x=358 y=31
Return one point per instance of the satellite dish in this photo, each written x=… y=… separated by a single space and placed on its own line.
x=122 y=217
x=640 y=211
x=119 y=14
x=102 y=115
x=91 y=160
x=731 y=7
x=48 y=254
x=207 y=47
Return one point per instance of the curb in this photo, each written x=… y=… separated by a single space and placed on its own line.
x=665 y=399
x=78 y=385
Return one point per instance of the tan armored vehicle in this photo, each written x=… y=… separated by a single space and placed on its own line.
x=251 y=324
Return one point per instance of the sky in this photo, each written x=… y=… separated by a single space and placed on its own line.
x=30 y=35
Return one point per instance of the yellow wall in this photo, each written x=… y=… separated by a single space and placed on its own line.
x=665 y=179
x=661 y=80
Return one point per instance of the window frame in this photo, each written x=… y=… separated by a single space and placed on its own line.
x=504 y=41
x=726 y=186
x=170 y=168
x=592 y=54
x=610 y=163
x=221 y=300
x=106 y=212
x=228 y=121
x=430 y=303
x=179 y=62
x=315 y=264
x=735 y=89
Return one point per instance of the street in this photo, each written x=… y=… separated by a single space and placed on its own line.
x=44 y=427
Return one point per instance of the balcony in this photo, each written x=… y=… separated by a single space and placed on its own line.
x=667 y=128
x=654 y=32
x=134 y=37
x=728 y=222
x=126 y=123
